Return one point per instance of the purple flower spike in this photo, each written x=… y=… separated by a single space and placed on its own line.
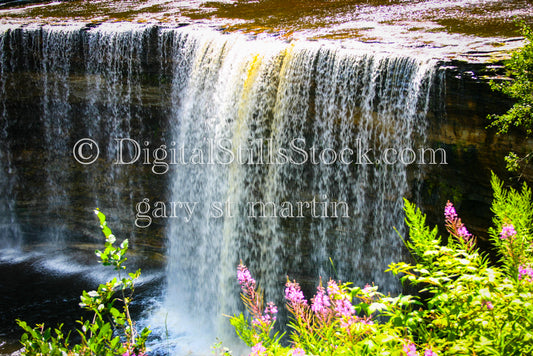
x=258 y=350
x=463 y=232
x=456 y=227
x=321 y=302
x=244 y=277
x=409 y=349
x=525 y=273
x=293 y=294
x=508 y=232
x=449 y=212
x=333 y=288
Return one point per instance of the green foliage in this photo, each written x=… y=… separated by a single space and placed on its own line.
x=511 y=207
x=520 y=88
x=111 y=330
x=466 y=306
x=520 y=68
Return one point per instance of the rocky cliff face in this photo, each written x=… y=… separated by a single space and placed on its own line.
x=473 y=150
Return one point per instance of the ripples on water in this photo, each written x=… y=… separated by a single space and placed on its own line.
x=448 y=28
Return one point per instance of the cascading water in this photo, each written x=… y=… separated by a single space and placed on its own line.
x=261 y=129
x=259 y=136
x=57 y=51
x=9 y=228
x=60 y=84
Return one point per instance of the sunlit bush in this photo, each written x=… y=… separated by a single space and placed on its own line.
x=466 y=306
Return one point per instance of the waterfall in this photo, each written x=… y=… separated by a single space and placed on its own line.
x=274 y=152
x=9 y=227
x=261 y=98
x=77 y=82
x=58 y=47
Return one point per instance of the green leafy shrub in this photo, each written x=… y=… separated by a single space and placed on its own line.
x=520 y=69
x=111 y=330
x=466 y=305
x=520 y=88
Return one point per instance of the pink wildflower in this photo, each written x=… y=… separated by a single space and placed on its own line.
x=244 y=277
x=320 y=303
x=298 y=352
x=455 y=226
x=463 y=232
x=429 y=352
x=449 y=211
x=293 y=294
x=271 y=308
x=344 y=307
x=525 y=272
x=409 y=349
x=269 y=317
x=253 y=300
x=508 y=232
x=489 y=305
x=270 y=314
x=333 y=288
x=296 y=302
x=258 y=350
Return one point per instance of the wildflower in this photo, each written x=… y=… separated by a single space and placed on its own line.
x=487 y=304
x=127 y=353
x=333 y=288
x=320 y=303
x=410 y=349
x=298 y=352
x=455 y=226
x=344 y=307
x=429 y=352
x=258 y=350
x=296 y=302
x=508 y=232
x=367 y=289
x=463 y=232
x=293 y=294
x=449 y=211
x=271 y=308
x=525 y=272
x=270 y=311
x=244 y=277
x=254 y=300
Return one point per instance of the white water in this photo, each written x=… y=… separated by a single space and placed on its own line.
x=230 y=91
x=9 y=227
x=242 y=91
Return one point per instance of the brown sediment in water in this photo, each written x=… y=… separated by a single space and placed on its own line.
x=478 y=30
